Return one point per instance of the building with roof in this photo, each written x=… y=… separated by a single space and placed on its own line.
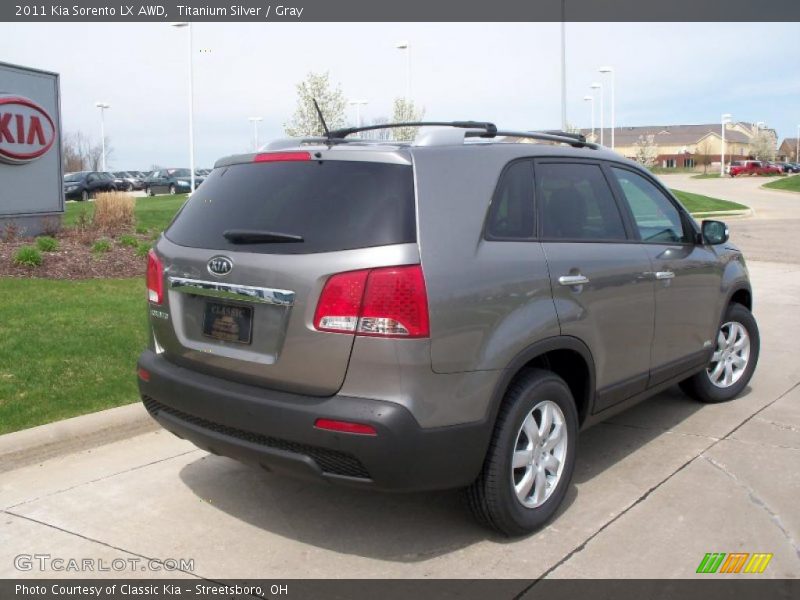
x=788 y=150
x=685 y=146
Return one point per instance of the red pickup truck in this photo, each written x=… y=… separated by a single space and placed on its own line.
x=752 y=167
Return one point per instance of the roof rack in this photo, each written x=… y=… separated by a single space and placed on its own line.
x=449 y=133
x=489 y=129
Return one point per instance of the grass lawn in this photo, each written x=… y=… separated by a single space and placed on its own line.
x=791 y=184
x=697 y=203
x=153 y=213
x=68 y=347
x=706 y=176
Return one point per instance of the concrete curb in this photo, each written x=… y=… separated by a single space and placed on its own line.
x=744 y=212
x=36 y=444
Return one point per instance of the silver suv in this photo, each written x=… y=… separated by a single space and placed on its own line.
x=439 y=314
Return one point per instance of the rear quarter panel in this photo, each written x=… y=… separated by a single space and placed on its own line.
x=488 y=300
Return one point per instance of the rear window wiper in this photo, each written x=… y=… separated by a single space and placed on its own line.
x=256 y=236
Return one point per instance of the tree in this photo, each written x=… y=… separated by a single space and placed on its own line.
x=762 y=146
x=703 y=154
x=332 y=103
x=378 y=134
x=646 y=150
x=406 y=112
x=81 y=154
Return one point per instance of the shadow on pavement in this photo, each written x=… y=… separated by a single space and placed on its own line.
x=405 y=527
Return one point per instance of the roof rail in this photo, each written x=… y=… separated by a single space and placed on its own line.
x=575 y=140
x=487 y=129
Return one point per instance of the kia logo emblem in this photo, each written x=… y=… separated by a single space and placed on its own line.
x=26 y=130
x=220 y=265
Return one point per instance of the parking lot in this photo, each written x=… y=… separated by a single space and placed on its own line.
x=655 y=488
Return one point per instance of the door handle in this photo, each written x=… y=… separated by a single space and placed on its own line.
x=571 y=280
x=665 y=275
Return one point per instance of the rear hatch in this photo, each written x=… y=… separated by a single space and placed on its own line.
x=247 y=256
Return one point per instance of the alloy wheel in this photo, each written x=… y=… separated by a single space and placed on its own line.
x=539 y=454
x=730 y=358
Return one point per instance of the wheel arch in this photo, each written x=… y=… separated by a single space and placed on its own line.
x=566 y=356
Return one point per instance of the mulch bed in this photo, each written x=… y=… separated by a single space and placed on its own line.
x=74 y=258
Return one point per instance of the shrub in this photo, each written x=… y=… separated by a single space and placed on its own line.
x=102 y=245
x=142 y=230
x=128 y=240
x=28 y=256
x=114 y=211
x=46 y=243
x=142 y=249
x=11 y=232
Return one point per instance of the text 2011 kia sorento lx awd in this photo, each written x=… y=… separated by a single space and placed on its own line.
x=446 y=313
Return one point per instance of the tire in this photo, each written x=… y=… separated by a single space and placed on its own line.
x=701 y=386
x=84 y=196
x=492 y=497
x=172 y=189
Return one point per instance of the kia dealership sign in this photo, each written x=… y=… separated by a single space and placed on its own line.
x=31 y=179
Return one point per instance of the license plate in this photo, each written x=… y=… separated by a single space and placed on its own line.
x=228 y=322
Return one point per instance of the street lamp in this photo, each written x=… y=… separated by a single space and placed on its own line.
x=605 y=70
x=563 y=65
x=599 y=86
x=255 y=121
x=591 y=99
x=759 y=124
x=407 y=47
x=797 y=148
x=103 y=106
x=726 y=118
x=358 y=104
x=191 y=102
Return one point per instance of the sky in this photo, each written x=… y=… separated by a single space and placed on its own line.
x=507 y=73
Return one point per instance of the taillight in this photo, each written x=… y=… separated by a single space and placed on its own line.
x=385 y=302
x=155 y=278
x=281 y=156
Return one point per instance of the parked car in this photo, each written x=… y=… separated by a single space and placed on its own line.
x=438 y=314
x=83 y=185
x=131 y=180
x=170 y=181
x=792 y=167
x=752 y=167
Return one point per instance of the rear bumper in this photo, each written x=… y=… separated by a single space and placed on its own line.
x=275 y=430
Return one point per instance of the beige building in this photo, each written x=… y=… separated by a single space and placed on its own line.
x=788 y=150
x=685 y=146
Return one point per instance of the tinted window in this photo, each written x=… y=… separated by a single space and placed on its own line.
x=657 y=219
x=577 y=203
x=179 y=173
x=511 y=214
x=333 y=205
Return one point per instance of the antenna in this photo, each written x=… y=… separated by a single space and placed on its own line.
x=322 y=119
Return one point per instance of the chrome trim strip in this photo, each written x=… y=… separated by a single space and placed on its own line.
x=573 y=280
x=232 y=291
x=665 y=275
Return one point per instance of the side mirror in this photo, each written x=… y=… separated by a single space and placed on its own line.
x=714 y=232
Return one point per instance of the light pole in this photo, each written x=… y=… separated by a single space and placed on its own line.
x=563 y=65
x=599 y=86
x=358 y=104
x=407 y=47
x=103 y=106
x=797 y=148
x=605 y=70
x=591 y=99
x=191 y=103
x=726 y=118
x=255 y=121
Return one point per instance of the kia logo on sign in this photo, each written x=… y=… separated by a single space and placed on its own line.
x=220 y=265
x=26 y=130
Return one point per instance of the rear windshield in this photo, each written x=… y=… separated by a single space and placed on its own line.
x=332 y=205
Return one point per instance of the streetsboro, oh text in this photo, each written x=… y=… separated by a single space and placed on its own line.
x=237 y=10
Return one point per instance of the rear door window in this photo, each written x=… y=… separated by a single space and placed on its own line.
x=577 y=203
x=333 y=205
